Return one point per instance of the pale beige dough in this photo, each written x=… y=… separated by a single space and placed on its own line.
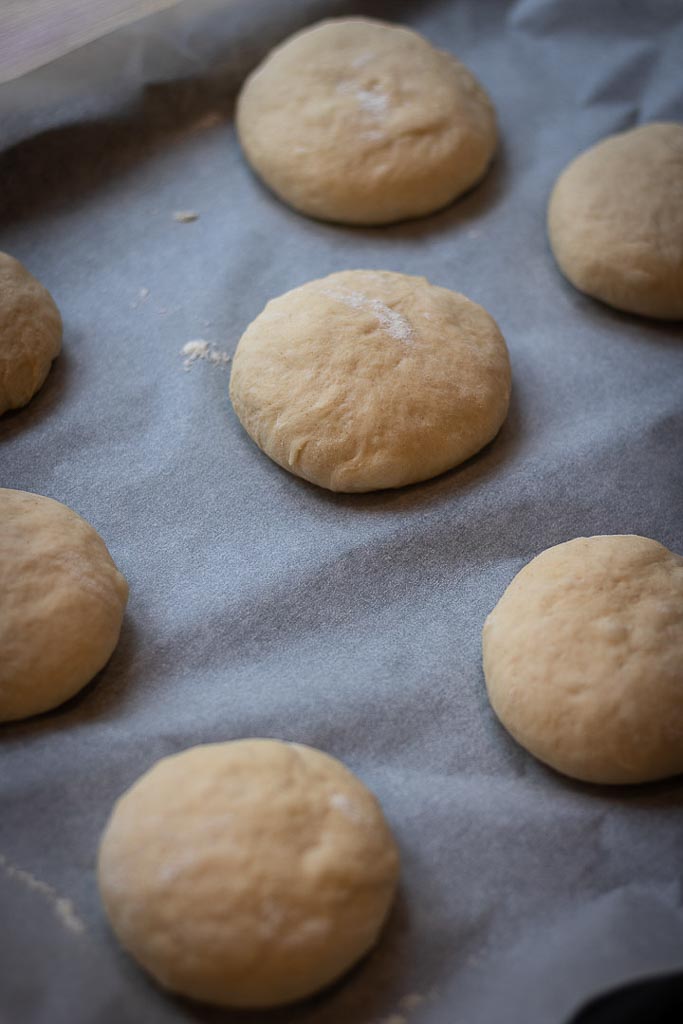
x=615 y=221
x=248 y=873
x=583 y=658
x=358 y=121
x=369 y=379
x=61 y=603
x=30 y=333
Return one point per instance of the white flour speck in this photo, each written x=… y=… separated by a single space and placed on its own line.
x=142 y=295
x=389 y=319
x=370 y=101
x=62 y=906
x=200 y=349
x=342 y=803
x=375 y=103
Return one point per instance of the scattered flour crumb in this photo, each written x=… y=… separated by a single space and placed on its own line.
x=389 y=319
x=405 y=1005
x=142 y=295
x=200 y=349
x=63 y=907
x=185 y=216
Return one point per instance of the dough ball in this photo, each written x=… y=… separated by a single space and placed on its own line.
x=249 y=873
x=369 y=379
x=61 y=604
x=30 y=333
x=362 y=122
x=583 y=657
x=615 y=221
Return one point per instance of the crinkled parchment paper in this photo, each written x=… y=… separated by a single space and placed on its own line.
x=262 y=606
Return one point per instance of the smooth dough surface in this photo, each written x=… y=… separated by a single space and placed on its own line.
x=30 y=333
x=358 y=121
x=615 y=221
x=61 y=603
x=583 y=657
x=368 y=379
x=248 y=873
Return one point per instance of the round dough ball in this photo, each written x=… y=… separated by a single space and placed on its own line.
x=368 y=379
x=583 y=657
x=61 y=604
x=30 y=333
x=249 y=873
x=615 y=221
x=362 y=122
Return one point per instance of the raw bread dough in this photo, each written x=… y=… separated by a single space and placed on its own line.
x=249 y=873
x=615 y=221
x=363 y=122
x=30 y=333
x=61 y=603
x=583 y=657
x=368 y=379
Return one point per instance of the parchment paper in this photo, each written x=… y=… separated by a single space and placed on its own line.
x=262 y=606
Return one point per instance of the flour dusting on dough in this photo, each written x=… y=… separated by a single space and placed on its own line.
x=62 y=906
x=370 y=101
x=341 y=802
x=389 y=319
x=375 y=103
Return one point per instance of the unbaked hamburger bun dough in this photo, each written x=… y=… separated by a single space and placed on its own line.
x=583 y=658
x=358 y=121
x=30 y=333
x=368 y=379
x=61 y=604
x=615 y=221
x=247 y=874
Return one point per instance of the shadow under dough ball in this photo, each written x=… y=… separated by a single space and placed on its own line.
x=61 y=604
x=369 y=379
x=583 y=658
x=247 y=874
x=615 y=221
x=362 y=122
x=30 y=333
